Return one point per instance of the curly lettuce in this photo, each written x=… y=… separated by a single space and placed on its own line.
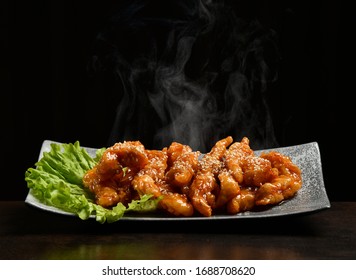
x=56 y=181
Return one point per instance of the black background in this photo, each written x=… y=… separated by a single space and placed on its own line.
x=47 y=93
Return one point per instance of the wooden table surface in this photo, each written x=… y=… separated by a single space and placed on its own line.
x=30 y=233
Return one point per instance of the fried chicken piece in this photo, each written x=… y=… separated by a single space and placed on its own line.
x=144 y=184
x=129 y=154
x=235 y=156
x=183 y=163
x=283 y=186
x=257 y=171
x=177 y=204
x=175 y=150
x=200 y=193
x=204 y=184
x=149 y=180
x=111 y=178
x=229 y=188
x=244 y=201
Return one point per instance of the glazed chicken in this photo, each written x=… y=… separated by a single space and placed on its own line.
x=228 y=179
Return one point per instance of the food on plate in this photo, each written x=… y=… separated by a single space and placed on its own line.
x=177 y=181
x=57 y=181
x=230 y=178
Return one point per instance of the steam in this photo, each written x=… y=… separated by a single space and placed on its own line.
x=195 y=73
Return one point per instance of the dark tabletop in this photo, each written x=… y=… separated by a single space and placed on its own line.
x=30 y=233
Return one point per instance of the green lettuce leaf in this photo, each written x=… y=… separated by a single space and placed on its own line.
x=56 y=181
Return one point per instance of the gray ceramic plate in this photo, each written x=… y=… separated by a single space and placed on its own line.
x=311 y=197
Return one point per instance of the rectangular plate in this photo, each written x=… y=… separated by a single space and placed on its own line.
x=311 y=197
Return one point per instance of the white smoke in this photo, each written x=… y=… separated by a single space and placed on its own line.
x=199 y=74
